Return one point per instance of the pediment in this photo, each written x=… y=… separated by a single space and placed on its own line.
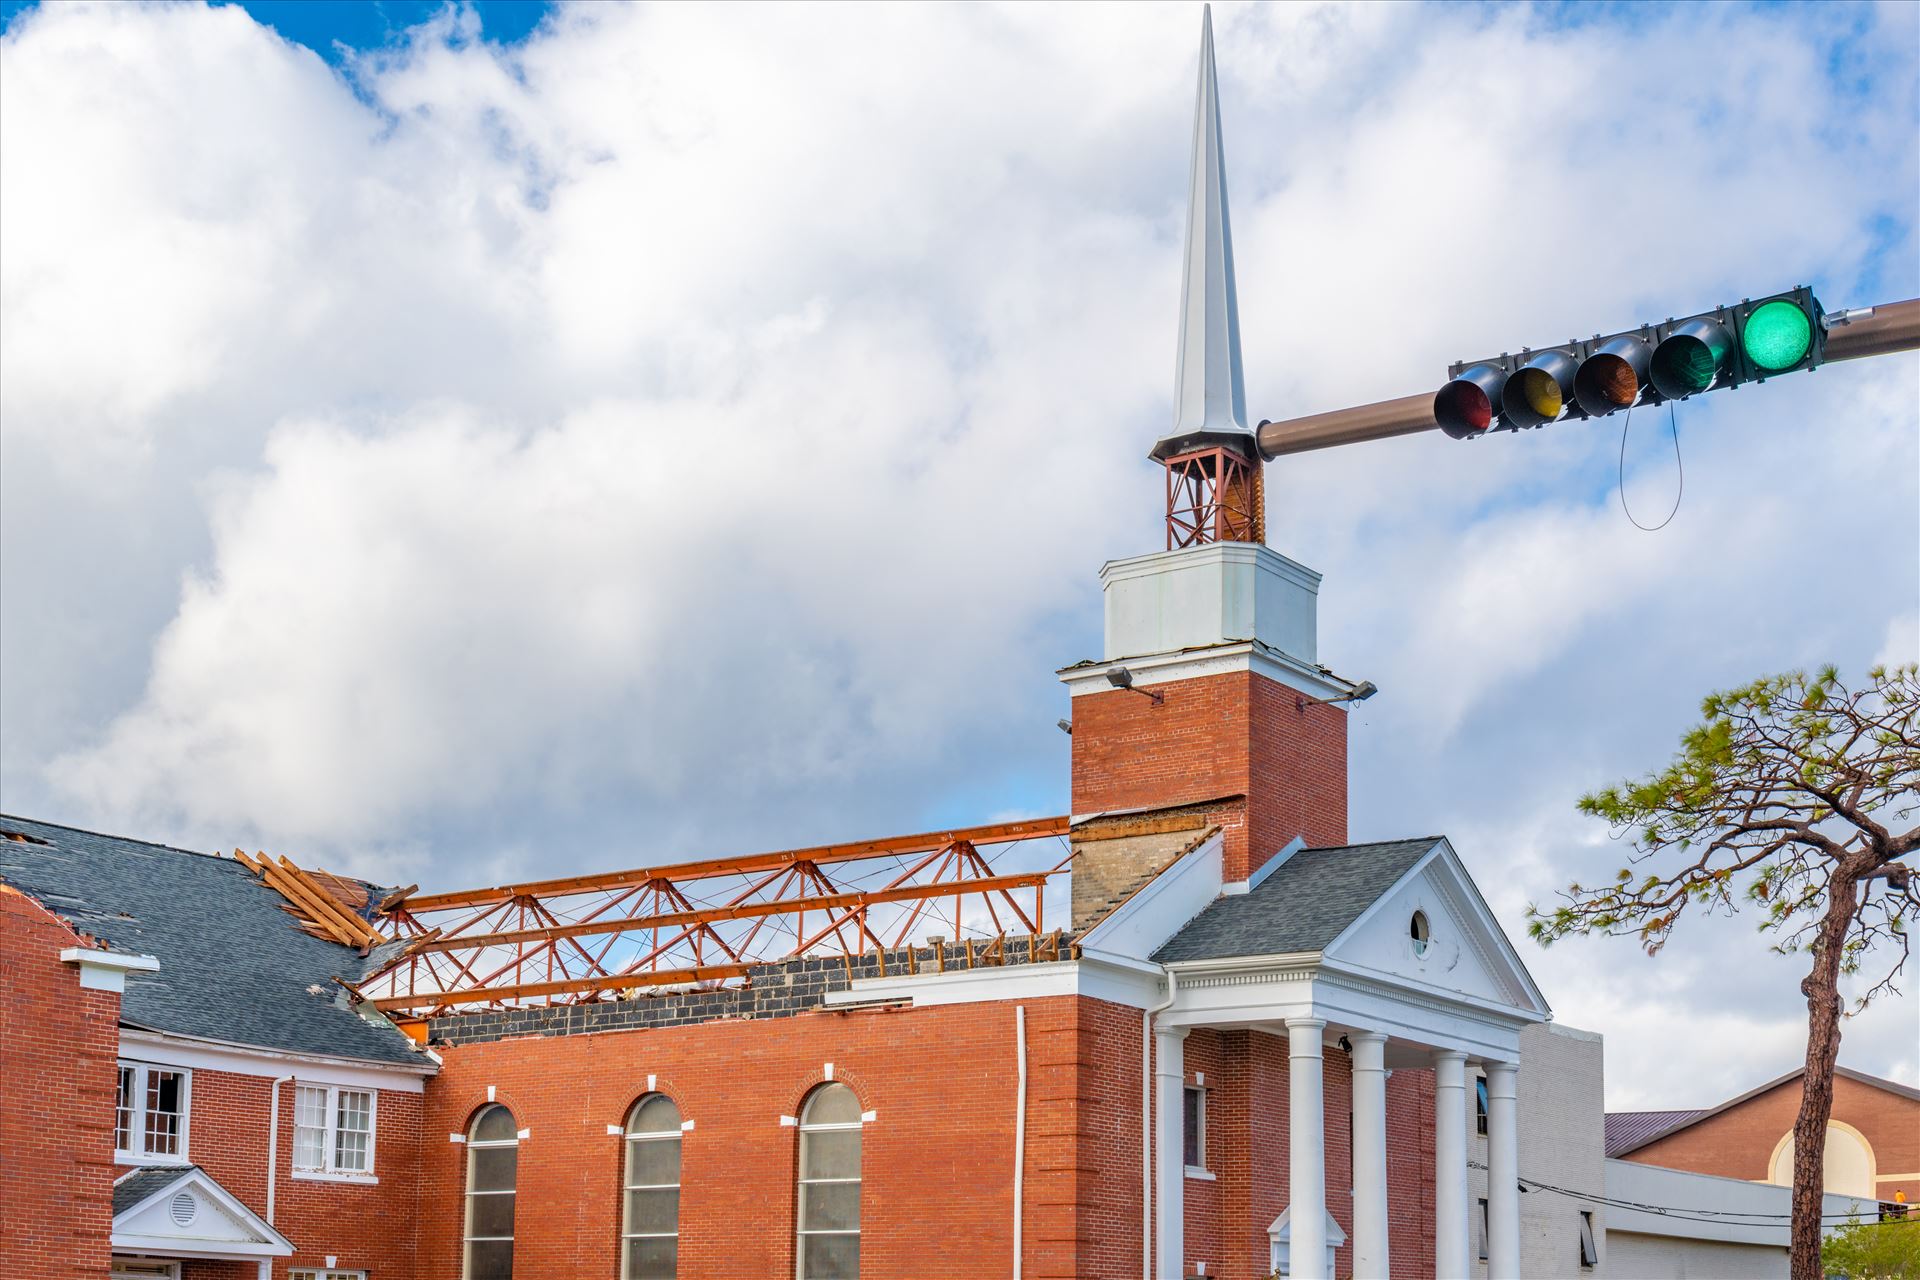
x=1464 y=953
x=184 y=1209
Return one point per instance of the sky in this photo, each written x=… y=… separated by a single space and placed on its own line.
x=444 y=444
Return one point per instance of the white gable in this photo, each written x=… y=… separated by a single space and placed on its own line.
x=194 y=1215
x=1464 y=952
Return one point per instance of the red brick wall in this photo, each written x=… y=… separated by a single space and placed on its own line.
x=1247 y=1150
x=1739 y=1143
x=936 y=1164
x=1108 y=1186
x=57 y=1082
x=367 y=1227
x=1235 y=734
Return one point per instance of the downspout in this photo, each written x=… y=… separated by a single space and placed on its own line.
x=1146 y=1128
x=1019 y=1132
x=273 y=1140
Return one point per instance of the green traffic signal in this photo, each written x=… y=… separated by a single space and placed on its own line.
x=1777 y=335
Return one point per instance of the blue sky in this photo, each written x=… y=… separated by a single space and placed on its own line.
x=328 y=26
x=652 y=432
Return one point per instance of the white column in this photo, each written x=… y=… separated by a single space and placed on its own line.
x=1170 y=1166
x=1369 y=1156
x=1450 y=1165
x=1306 y=1151
x=1503 y=1173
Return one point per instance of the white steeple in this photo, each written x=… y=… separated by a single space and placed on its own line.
x=1210 y=398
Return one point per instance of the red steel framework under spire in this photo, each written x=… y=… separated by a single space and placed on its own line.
x=1214 y=494
x=584 y=938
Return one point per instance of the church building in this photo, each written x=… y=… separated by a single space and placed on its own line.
x=1251 y=1047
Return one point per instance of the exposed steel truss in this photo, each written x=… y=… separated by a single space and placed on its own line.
x=586 y=938
x=1214 y=495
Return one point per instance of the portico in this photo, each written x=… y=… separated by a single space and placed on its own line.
x=1382 y=955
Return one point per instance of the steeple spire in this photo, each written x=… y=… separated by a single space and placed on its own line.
x=1210 y=399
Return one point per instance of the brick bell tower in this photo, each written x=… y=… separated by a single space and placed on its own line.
x=1209 y=696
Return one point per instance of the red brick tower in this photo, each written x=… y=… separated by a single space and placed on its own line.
x=1209 y=691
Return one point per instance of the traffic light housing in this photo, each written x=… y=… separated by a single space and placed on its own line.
x=1760 y=338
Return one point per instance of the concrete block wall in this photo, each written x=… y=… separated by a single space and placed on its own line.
x=1562 y=1142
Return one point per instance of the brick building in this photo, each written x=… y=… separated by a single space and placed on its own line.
x=1252 y=1048
x=1873 y=1138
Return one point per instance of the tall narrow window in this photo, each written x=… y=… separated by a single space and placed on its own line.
x=493 y=1154
x=1589 y=1251
x=1480 y=1104
x=1194 y=1127
x=650 y=1229
x=830 y=1185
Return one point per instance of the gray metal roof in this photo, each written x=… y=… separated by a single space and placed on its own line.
x=234 y=967
x=1628 y=1130
x=1302 y=906
x=136 y=1188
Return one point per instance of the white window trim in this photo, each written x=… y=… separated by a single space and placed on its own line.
x=801 y=1181
x=329 y=1173
x=137 y=1121
x=467 y=1237
x=325 y=1273
x=1200 y=1170
x=629 y=1140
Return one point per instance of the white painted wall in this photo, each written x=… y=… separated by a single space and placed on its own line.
x=1209 y=595
x=1562 y=1143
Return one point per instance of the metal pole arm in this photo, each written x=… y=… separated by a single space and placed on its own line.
x=1852 y=335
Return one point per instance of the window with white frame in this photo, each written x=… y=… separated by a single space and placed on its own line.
x=1480 y=1229
x=309 y=1273
x=493 y=1160
x=830 y=1185
x=332 y=1130
x=1481 y=1105
x=1193 y=1127
x=150 y=1111
x=650 y=1225
x=1589 y=1249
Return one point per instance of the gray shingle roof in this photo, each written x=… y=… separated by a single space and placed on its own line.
x=137 y=1187
x=234 y=967
x=1302 y=906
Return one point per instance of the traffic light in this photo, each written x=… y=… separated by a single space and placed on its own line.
x=1724 y=347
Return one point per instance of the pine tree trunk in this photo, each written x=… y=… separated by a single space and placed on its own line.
x=1822 y=989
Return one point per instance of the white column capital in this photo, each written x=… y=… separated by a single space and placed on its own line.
x=1315 y=1023
x=1172 y=1033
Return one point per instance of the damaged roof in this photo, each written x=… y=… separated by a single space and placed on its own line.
x=1303 y=906
x=234 y=966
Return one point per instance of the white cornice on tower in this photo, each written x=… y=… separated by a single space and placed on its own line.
x=1210 y=399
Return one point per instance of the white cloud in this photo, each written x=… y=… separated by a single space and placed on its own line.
x=698 y=428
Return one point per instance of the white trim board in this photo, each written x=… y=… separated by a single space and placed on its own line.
x=1117 y=982
x=174 y=1051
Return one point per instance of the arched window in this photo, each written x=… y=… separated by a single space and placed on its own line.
x=650 y=1227
x=493 y=1153
x=829 y=1245
x=1848 y=1164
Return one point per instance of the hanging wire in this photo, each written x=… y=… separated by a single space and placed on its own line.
x=1674 y=426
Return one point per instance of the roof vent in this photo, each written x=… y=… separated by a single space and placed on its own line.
x=183 y=1208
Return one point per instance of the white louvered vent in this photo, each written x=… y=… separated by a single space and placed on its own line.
x=183 y=1208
